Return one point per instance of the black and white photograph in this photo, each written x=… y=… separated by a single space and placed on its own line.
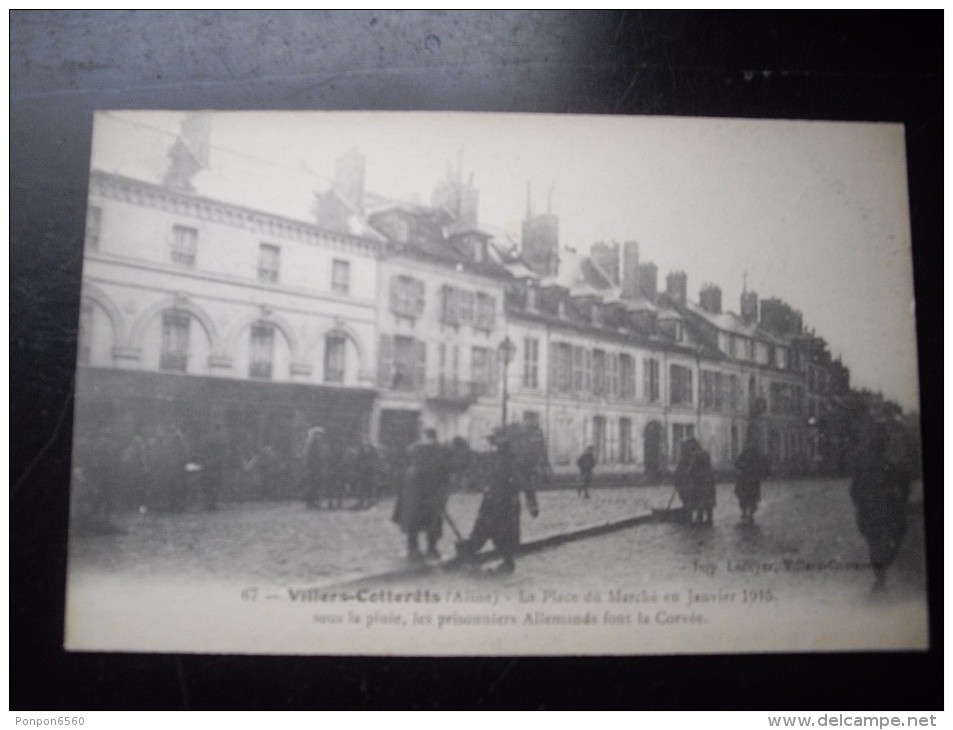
x=457 y=384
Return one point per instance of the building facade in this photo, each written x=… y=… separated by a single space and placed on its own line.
x=196 y=311
x=379 y=318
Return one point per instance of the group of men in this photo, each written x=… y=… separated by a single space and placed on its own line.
x=332 y=472
x=421 y=504
x=883 y=469
x=163 y=466
x=158 y=464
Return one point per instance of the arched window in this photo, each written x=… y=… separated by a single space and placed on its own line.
x=262 y=350
x=175 y=340
x=335 y=362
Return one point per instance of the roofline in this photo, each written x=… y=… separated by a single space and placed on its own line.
x=390 y=253
x=102 y=176
x=626 y=337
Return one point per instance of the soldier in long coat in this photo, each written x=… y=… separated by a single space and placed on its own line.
x=366 y=474
x=315 y=467
x=752 y=466
x=695 y=482
x=586 y=464
x=880 y=489
x=213 y=455
x=499 y=516
x=135 y=473
x=422 y=501
x=171 y=456
x=338 y=472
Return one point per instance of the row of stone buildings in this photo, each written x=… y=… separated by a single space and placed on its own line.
x=377 y=317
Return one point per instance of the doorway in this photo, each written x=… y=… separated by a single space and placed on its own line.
x=652 y=449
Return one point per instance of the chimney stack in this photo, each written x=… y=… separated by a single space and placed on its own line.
x=648 y=280
x=190 y=151
x=349 y=179
x=630 y=270
x=606 y=257
x=469 y=205
x=710 y=298
x=676 y=287
x=540 y=240
x=749 y=307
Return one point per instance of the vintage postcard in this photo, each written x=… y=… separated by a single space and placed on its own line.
x=485 y=384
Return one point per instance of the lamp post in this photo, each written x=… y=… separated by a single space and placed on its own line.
x=698 y=406
x=507 y=350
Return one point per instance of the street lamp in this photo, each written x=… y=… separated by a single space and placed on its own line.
x=507 y=350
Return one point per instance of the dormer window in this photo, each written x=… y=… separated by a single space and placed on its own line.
x=673 y=328
x=479 y=251
x=532 y=298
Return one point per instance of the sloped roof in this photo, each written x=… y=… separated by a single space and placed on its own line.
x=519 y=270
x=735 y=324
x=639 y=304
x=138 y=151
x=124 y=146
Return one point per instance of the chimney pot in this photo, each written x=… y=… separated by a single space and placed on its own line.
x=676 y=286
x=630 y=270
x=710 y=298
x=349 y=179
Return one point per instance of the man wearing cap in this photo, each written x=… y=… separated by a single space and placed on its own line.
x=422 y=501
x=752 y=467
x=499 y=516
x=695 y=482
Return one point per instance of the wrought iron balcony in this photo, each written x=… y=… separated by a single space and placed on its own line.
x=453 y=392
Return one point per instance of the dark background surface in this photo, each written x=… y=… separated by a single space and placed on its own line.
x=63 y=66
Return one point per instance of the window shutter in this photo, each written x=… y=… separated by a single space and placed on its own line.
x=420 y=364
x=418 y=289
x=395 y=294
x=385 y=361
x=449 y=302
x=587 y=371
x=552 y=386
x=493 y=374
x=634 y=377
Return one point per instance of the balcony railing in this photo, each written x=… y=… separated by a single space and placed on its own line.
x=451 y=391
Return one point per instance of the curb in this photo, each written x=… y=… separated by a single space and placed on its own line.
x=533 y=546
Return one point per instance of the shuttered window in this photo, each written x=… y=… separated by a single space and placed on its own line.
x=598 y=373
x=626 y=377
x=680 y=386
x=650 y=377
x=385 y=362
x=612 y=376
